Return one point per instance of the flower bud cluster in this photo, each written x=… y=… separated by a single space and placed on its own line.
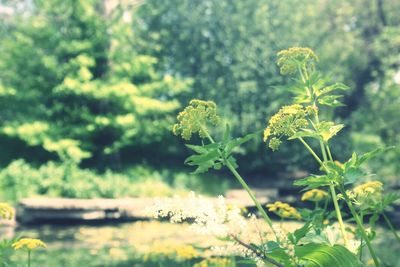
x=286 y=122
x=195 y=117
x=6 y=211
x=315 y=195
x=290 y=60
x=284 y=210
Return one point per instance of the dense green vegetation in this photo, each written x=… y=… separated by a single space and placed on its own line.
x=96 y=84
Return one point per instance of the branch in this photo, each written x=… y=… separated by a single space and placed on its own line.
x=257 y=252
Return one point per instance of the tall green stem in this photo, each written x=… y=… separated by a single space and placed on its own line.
x=338 y=214
x=29 y=258
x=360 y=226
x=245 y=186
x=391 y=226
x=333 y=193
x=311 y=151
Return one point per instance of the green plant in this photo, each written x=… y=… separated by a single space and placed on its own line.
x=312 y=244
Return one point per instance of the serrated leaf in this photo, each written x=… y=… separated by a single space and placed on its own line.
x=331 y=101
x=314 y=181
x=198 y=159
x=352 y=174
x=389 y=199
x=333 y=167
x=301 y=232
x=227 y=134
x=197 y=149
x=279 y=254
x=333 y=87
x=238 y=141
x=372 y=154
x=328 y=129
x=321 y=255
x=204 y=167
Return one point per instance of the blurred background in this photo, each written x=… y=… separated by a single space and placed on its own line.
x=89 y=89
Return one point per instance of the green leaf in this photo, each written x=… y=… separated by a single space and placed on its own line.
x=333 y=167
x=333 y=87
x=198 y=159
x=301 y=232
x=321 y=255
x=372 y=154
x=314 y=181
x=197 y=149
x=204 y=161
x=277 y=253
x=328 y=129
x=331 y=101
x=351 y=174
x=238 y=141
x=227 y=134
x=389 y=199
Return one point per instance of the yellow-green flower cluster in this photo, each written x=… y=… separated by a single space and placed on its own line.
x=286 y=122
x=6 y=211
x=166 y=250
x=368 y=194
x=284 y=210
x=28 y=243
x=195 y=117
x=215 y=262
x=315 y=195
x=295 y=58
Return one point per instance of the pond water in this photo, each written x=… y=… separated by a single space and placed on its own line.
x=141 y=243
x=137 y=244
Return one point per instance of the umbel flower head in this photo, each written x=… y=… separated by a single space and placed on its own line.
x=286 y=122
x=315 y=195
x=28 y=243
x=283 y=210
x=195 y=117
x=368 y=194
x=290 y=60
x=6 y=211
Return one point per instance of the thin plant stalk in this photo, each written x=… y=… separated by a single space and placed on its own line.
x=29 y=258
x=246 y=187
x=391 y=226
x=333 y=193
x=360 y=226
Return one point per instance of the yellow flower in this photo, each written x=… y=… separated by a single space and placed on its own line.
x=214 y=262
x=28 y=243
x=286 y=122
x=290 y=60
x=284 y=210
x=184 y=253
x=6 y=211
x=315 y=195
x=368 y=194
x=369 y=188
x=195 y=117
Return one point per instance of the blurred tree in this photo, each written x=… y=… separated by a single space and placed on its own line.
x=229 y=47
x=72 y=82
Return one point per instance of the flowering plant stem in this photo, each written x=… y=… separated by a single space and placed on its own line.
x=332 y=189
x=391 y=226
x=348 y=202
x=360 y=225
x=245 y=186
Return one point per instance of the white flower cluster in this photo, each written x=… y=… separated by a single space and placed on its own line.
x=209 y=217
